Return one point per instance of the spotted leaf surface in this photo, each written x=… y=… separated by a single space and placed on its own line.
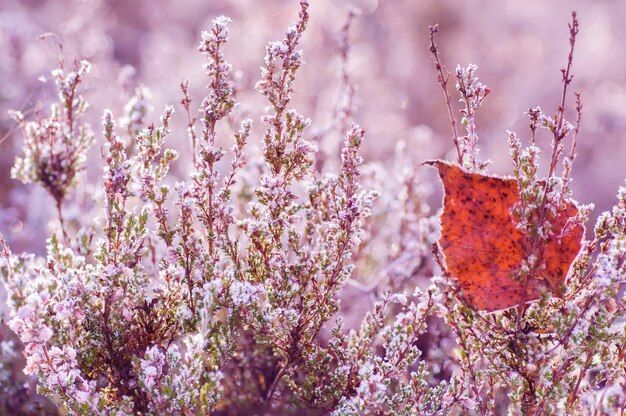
x=484 y=249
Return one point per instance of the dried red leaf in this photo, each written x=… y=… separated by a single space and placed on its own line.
x=484 y=249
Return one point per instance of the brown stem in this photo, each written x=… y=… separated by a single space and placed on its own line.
x=278 y=377
x=566 y=80
x=186 y=102
x=58 y=203
x=558 y=133
x=442 y=78
x=579 y=112
x=573 y=396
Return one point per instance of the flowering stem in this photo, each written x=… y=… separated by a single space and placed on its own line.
x=621 y=355
x=560 y=118
x=581 y=376
x=6 y=254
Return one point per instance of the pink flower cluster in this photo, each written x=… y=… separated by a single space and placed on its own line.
x=289 y=277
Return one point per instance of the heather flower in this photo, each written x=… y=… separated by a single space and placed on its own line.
x=55 y=146
x=135 y=111
x=264 y=280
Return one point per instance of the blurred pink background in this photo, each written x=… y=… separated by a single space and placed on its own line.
x=518 y=46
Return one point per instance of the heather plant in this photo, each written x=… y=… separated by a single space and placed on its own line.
x=561 y=354
x=55 y=146
x=228 y=295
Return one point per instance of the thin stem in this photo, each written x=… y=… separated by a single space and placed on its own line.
x=191 y=131
x=6 y=254
x=469 y=365
x=278 y=377
x=344 y=109
x=59 y=203
x=609 y=383
x=583 y=372
x=55 y=38
x=566 y=80
x=442 y=78
x=559 y=134
x=579 y=112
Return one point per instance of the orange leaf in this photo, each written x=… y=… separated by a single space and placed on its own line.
x=484 y=249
